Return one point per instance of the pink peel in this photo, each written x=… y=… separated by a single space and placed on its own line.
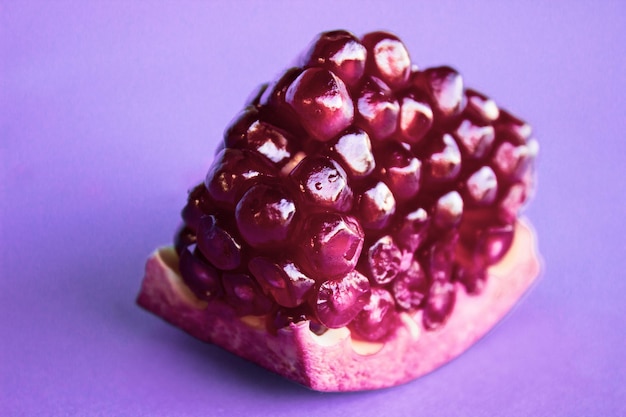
x=335 y=361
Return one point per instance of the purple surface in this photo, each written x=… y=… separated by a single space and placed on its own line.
x=109 y=112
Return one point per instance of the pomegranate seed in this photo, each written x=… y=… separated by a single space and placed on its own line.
x=448 y=211
x=237 y=130
x=274 y=95
x=202 y=278
x=283 y=317
x=411 y=287
x=413 y=230
x=283 y=280
x=476 y=141
x=376 y=207
x=322 y=103
x=340 y=52
x=232 y=172
x=511 y=203
x=322 y=183
x=494 y=242
x=218 y=245
x=472 y=275
x=184 y=237
x=245 y=294
x=416 y=119
x=440 y=257
x=248 y=132
x=338 y=301
x=481 y=106
x=509 y=127
x=511 y=161
x=443 y=160
x=264 y=215
x=378 y=318
x=445 y=88
x=400 y=170
x=330 y=245
x=387 y=58
x=377 y=109
x=482 y=187
x=439 y=304
x=274 y=107
x=354 y=151
x=384 y=260
x=198 y=204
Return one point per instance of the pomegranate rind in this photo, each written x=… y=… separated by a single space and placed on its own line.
x=334 y=361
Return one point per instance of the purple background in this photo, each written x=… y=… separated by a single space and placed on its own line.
x=109 y=112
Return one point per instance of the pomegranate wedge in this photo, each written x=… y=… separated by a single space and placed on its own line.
x=360 y=225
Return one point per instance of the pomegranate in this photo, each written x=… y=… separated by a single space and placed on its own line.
x=360 y=224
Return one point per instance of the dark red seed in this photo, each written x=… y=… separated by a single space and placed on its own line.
x=376 y=207
x=445 y=88
x=439 y=259
x=184 y=237
x=413 y=230
x=377 y=319
x=248 y=132
x=384 y=260
x=265 y=215
x=198 y=205
x=411 y=287
x=274 y=107
x=472 y=275
x=340 y=52
x=338 y=301
x=481 y=107
x=378 y=110
x=528 y=179
x=400 y=170
x=237 y=131
x=490 y=244
x=200 y=277
x=476 y=141
x=245 y=295
x=448 y=211
x=282 y=279
x=442 y=162
x=439 y=304
x=416 y=118
x=274 y=95
x=316 y=327
x=219 y=246
x=509 y=127
x=322 y=103
x=511 y=203
x=512 y=161
x=354 y=151
x=481 y=188
x=233 y=171
x=322 y=184
x=284 y=317
x=330 y=245
x=387 y=58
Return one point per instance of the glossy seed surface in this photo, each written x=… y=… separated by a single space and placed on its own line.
x=355 y=187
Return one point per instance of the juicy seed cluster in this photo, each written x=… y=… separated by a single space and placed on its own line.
x=354 y=188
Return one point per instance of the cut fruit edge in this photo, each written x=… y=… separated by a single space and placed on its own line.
x=334 y=361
